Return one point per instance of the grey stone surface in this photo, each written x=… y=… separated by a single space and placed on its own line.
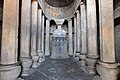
x=65 y=69
x=70 y=37
x=47 y=38
x=59 y=48
x=75 y=36
x=78 y=32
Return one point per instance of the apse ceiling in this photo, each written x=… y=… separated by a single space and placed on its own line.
x=59 y=3
x=59 y=9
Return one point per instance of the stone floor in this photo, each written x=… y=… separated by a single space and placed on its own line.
x=65 y=69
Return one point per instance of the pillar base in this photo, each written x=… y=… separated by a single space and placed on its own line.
x=20 y=79
x=82 y=60
x=91 y=63
x=9 y=72
x=91 y=70
x=107 y=71
x=35 y=61
x=26 y=63
x=77 y=54
x=41 y=57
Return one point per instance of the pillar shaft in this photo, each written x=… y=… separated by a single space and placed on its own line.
x=25 y=37
x=34 y=28
x=43 y=26
x=75 y=34
x=34 y=33
x=25 y=28
x=78 y=48
x=9 y=68
x=70 y=37
x=107 y=67
x=10 y=32
x=92 y=54
x=92 y=29
x=107 y=47
x=39 y=34
x=83 y=29
x=47 y=39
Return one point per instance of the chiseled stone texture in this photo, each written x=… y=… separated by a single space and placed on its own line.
x=65 y=69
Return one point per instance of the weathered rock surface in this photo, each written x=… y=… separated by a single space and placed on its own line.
x=65 y=69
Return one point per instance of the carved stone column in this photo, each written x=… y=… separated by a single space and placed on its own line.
x=25 y=37
x=47 y=38
x=83 y=34
x=78 y=34
x=107 y=67
x=92 y=36
x=83 y=29
x=9 y=66
x=75 y=35
x=43 y=26
x=39 y=35
x=34 y=33
x=70 y=37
